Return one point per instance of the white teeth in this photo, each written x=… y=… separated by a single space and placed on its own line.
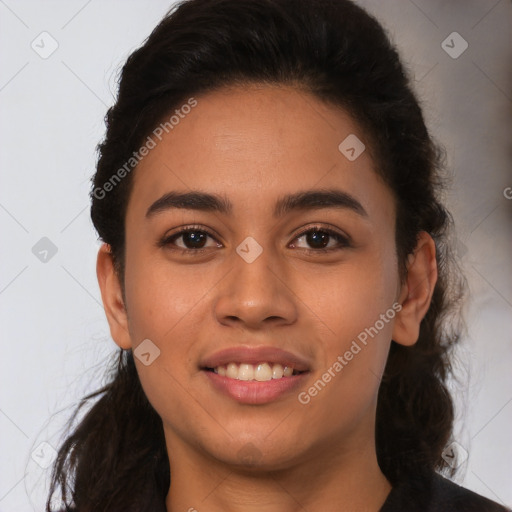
x=261 y=372
x=246 y=372
x=232 y=371
x=287 y=372
x=277 y=371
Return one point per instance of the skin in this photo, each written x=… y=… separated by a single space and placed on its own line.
x=255 y=144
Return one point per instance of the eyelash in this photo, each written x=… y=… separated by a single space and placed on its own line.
x=342 y=240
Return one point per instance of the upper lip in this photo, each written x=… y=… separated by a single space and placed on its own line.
x=255 y=355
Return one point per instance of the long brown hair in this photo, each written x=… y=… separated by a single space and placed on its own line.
x=115 y=459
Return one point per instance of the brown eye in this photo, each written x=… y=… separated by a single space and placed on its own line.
x=194 y=239
x=189 y=240
x=318 y=239
x=322 y=239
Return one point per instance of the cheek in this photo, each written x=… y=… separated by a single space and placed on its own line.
x=159 y=300
x=164 y=307
x=352 y=296
x=356 y=304
x=160 y=308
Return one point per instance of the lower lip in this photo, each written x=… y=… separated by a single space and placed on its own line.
x=255 y=392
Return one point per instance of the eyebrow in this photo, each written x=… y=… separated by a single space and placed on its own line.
x=303 y=200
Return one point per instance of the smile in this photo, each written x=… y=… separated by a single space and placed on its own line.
x=255 y=375
x=260 y=372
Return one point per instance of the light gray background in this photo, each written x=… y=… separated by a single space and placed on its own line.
x=55 y=339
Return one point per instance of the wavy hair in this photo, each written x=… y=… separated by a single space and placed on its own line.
x=115 y=459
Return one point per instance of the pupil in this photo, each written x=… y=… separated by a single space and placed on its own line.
x=317 y=239
x=195 y=239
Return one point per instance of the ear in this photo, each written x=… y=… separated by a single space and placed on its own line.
x=112 y=297
x=416 y=292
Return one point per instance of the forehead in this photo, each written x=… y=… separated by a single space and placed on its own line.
x=254 y=143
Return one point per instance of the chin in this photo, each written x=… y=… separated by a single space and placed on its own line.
x=257 y=455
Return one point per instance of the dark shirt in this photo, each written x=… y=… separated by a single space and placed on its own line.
x=435 y=494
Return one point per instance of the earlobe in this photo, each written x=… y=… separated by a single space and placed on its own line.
x=417 y=290
x=112 y=297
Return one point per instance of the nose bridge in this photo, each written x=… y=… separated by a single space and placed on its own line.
x=255 y=290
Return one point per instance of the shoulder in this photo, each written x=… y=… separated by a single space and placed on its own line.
x=437 y=494
x=454 y=497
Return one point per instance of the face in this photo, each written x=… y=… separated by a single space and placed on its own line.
x=270 y=274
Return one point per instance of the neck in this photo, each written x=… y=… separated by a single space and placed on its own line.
x=330 y=480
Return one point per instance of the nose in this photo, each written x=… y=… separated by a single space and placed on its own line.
x=256 y=295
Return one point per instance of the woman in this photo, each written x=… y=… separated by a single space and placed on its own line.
x=275 y=272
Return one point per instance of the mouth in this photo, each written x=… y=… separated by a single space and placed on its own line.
x=261 y=372
x=252 y=375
